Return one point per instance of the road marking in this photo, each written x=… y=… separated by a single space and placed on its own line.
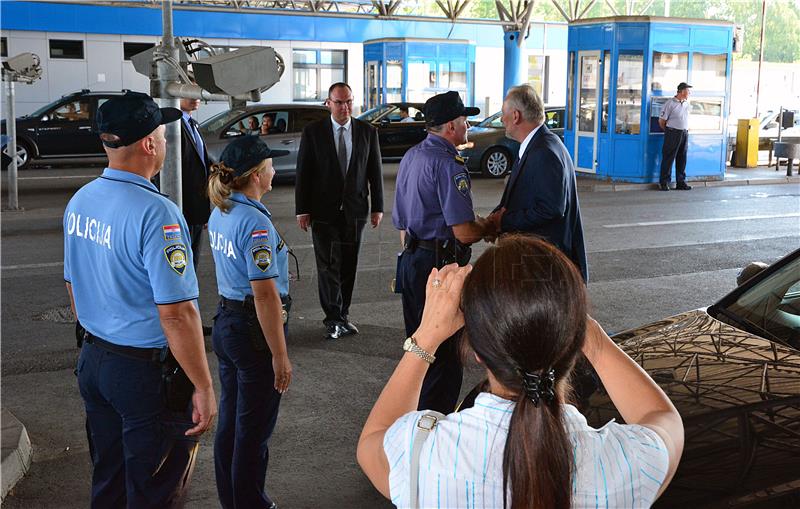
x=59 y=177
x=702 y=220
x=32 y=266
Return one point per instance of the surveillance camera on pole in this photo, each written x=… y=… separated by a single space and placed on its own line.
x=23 y=68
x=236 y=77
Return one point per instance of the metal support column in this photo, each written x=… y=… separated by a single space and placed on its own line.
x=512 y=61
x=11 y=131
x=171 y=173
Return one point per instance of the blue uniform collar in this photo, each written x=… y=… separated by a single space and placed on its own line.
x=244 y=200
x=130 y=178
x=438 y=141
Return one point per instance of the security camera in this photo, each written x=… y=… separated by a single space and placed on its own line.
x=24 y=64
x=239 y=72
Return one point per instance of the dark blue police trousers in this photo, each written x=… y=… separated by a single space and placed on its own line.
x=141 y=457
x=248 y=410
x=442 y=383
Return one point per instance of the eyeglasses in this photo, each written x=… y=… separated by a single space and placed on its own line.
x=348 y=102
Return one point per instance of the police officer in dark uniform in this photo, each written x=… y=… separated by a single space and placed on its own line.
x=142 y=370
x=433 y=211
x=249 y=334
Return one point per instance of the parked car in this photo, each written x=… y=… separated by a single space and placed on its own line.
x=62 y=129
x=394 y=136
x=733 y=372
x=488 y=151
x=288 y=121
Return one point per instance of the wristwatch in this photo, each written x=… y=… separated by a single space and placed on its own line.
x=410 y=345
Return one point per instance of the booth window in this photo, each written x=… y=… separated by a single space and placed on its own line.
x=708 y=72
x=606 y=87
x=705 y=114
x=538 y=69
x=394 y=80
x=630 y=70
x=315 y=70
x=587 y=99
x=62 y=48
x=130 y=49
x=458 y=76
x=571 y=90
x=421 y=80
x=669 y=69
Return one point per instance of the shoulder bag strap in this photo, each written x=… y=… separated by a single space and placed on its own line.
x=425 y=425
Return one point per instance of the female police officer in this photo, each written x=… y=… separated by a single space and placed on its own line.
x=250 y=327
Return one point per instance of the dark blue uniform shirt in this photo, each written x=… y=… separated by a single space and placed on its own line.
x=433 y=191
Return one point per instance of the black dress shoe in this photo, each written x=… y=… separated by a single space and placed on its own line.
x=683 y=186
x=663 y=186
x=336 y=331
x=352 y=328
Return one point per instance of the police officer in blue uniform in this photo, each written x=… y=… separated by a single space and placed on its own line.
x=433 y=210
x=133 y=288
x=249 y=333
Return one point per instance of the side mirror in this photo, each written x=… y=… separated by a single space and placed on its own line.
x=384 y=122
x=45 y=118
x=748 y=271
x=232 y=133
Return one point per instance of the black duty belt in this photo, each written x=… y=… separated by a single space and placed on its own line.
x=142 y=354
x=248 y=305
x=430 y=245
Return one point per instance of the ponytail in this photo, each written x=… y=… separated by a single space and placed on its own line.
x=537 y=460
x=223 y=181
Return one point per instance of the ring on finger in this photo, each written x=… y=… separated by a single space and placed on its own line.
x=436 y=283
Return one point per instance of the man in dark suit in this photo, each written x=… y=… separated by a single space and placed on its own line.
x=338 y=168
x=541 y=194
x=194 y=176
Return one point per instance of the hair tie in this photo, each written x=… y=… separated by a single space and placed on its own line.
x=539 y=387
x=224 y=173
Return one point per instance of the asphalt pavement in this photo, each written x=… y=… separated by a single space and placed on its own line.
x=651 y=254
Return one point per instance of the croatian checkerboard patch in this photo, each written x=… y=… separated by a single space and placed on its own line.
x=171 y=232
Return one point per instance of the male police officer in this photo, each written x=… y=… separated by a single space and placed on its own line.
x=433 y=211
x=132 y=285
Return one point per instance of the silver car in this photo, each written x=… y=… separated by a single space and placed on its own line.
x=491 y=153
x=287 y=123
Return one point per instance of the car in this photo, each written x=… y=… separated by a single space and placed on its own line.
x=62 y=129
x=488 y=151
x=396 y=137
x=288 y=121
x=733 y=372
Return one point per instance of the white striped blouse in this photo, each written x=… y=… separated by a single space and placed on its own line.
x=616 y=466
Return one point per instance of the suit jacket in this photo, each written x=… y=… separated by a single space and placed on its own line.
x=194 y=176
x=321 y=187
x=541 y=197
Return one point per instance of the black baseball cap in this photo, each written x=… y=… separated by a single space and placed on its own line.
x=245 y=152
x=683 y=85
x=445 y=107
x=131 y=117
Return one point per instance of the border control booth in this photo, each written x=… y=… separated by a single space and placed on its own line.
x=412 y=70
x=620 y=73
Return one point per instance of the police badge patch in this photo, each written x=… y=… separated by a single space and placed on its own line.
x=462 y=183
x=177 y=258
x=262 y=257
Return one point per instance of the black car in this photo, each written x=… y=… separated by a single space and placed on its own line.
x=396 y=134
x=62 y=129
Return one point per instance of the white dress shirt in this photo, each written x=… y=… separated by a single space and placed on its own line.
x=348 y=136
x=461 y=464
x=528 y=138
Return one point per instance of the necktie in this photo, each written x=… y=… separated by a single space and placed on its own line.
x=198 y=140
x=341 y=152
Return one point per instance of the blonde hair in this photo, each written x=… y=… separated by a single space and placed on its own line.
x=223 y=181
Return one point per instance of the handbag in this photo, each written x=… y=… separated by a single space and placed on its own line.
x=426 y=423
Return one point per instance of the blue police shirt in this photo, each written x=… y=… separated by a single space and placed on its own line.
x=125 y=251
x=246 y=247
x=433 y=191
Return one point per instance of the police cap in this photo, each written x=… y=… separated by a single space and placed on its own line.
x=128 y=118
x=245 y=152
x=443 y=108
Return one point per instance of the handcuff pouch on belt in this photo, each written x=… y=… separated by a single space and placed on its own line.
x=178 y=389
x=257 y=339
x=447 y=251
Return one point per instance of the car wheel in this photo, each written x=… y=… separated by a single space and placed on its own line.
x=496 y=162
x=24 y=153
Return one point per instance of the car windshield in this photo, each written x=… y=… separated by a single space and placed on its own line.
x=221 y=120
x=771 y=308
x=493 y=121
x=375 y=113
